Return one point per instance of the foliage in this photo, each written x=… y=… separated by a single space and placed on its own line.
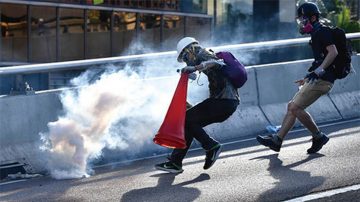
x=344 y=21
x=337 y=13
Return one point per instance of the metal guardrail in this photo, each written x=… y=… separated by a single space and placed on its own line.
x=57 y=66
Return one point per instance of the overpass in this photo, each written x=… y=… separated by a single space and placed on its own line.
x=263 y=102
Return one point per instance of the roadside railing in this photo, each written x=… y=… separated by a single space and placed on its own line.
x=20 y=86
x=70 y=65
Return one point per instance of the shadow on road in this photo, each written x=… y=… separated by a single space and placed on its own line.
x=254 y=143
x=290 y=182
x=166 y=191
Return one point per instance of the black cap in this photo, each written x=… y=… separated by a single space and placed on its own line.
x=308 y=9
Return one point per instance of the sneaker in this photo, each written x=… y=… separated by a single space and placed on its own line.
x=212 y=155
x=317 y=144
x=268 y=141
x=169 y=167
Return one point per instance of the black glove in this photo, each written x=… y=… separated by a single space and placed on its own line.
x=315 y=65
x=192 y=76
x=188 y=69
x=311 y=77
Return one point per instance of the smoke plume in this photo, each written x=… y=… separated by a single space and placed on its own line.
x=121 y=110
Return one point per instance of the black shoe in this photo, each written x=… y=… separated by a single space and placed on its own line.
x=317 y=144
x=169 y=167
x=269 y=141
x=211 y=156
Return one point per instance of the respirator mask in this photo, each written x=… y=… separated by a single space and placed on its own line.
x=304 y=25
x=189 y=56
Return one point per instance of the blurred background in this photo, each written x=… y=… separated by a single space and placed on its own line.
x=40 y=31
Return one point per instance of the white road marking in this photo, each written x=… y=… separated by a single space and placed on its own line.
x=11 y=182
x=325 y=193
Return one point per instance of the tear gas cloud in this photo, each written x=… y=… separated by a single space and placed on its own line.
x=121 y=110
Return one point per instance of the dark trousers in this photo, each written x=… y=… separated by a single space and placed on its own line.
x=205 y=113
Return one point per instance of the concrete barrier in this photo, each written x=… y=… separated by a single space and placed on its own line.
x=263 y=101
x=248 y=119
x=22 y=118
x=277 y=87
x=346 y=92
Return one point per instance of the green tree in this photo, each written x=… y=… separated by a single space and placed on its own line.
x=344 y=21
x=337 y=13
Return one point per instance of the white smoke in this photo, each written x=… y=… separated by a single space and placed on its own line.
x=122 y=110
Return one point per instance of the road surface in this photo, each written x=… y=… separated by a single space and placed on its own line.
x=245 y=171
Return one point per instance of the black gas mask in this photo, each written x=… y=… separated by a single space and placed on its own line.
x=189 y=56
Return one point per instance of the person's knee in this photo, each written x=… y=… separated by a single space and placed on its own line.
x=293 y=108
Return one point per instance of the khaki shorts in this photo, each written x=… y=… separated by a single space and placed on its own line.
x=310 y=92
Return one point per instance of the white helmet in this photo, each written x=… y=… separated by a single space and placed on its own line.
x=182 y=44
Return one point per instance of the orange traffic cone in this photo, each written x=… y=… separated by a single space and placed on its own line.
x=171 y=132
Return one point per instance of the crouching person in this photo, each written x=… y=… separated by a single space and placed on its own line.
x=220 y=105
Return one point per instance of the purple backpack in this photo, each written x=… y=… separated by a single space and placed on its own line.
x=234 y=70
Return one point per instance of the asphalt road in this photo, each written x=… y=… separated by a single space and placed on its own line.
x=245 y=171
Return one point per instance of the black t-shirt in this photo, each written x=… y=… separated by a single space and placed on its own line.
x=320 y=39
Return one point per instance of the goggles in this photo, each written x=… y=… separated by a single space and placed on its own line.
x=302 y=21
x=185 y=56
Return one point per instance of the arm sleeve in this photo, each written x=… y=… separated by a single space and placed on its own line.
x=212 y=63
x=209 y=60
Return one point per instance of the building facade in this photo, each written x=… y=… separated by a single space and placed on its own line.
x=39 y=31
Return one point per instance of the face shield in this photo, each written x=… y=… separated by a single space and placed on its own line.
x=304 y=25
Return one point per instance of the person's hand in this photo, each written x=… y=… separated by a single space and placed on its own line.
x=300 y=82
x=312 y=77
x=315 y=65
x=319 y=72
x=188 y=69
